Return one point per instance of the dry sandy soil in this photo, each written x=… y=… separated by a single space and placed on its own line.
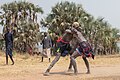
x=30 y=68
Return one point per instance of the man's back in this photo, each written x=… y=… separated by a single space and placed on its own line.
x=78 y=35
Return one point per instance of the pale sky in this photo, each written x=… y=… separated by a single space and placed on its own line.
x=109 y=9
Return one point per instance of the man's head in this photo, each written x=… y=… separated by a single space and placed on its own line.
x=8 y=29
x=68 y=31
x=45 y=34
x=75 y=25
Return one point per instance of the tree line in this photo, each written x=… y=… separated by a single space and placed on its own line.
x=22 y=17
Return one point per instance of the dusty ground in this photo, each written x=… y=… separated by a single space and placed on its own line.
x=30 y=68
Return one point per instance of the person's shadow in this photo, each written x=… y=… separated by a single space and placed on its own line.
x=65 y=73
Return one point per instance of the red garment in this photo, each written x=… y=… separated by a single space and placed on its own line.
x=60 y=39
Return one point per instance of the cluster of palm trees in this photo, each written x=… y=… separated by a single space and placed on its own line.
x=23 y=17
x=97 y=31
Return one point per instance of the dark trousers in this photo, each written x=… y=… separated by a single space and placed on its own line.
x=9 y=53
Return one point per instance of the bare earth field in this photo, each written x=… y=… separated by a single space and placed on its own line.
x=30 y=68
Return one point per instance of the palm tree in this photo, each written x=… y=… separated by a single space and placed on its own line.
x=97 y=31
x=64 y=13
x=22 y=17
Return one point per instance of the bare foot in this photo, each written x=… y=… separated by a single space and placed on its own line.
x=70 y=70
x=46 y=74
x=12 y=63
x=6 y=63
x=76 y=73
x=88 y=72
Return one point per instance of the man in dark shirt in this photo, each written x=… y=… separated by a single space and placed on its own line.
x=47 y=44
x=9 y=45
x=61 y=50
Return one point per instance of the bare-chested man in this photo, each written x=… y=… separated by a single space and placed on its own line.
x=62 y=49
x=63 y=46
x=81 y=48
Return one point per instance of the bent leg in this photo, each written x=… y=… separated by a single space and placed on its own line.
x=70 y=65
x=53 y=63
x=73 y=62
x=12 y=60
x=6 y=59
x=87 y=64
x=10 y=55
x=42 y=59
x=7 y=56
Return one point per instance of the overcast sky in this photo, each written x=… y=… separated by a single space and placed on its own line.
x=109 y=9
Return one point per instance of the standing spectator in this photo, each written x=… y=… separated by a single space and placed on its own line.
x=9 y=45
x=47 y=44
